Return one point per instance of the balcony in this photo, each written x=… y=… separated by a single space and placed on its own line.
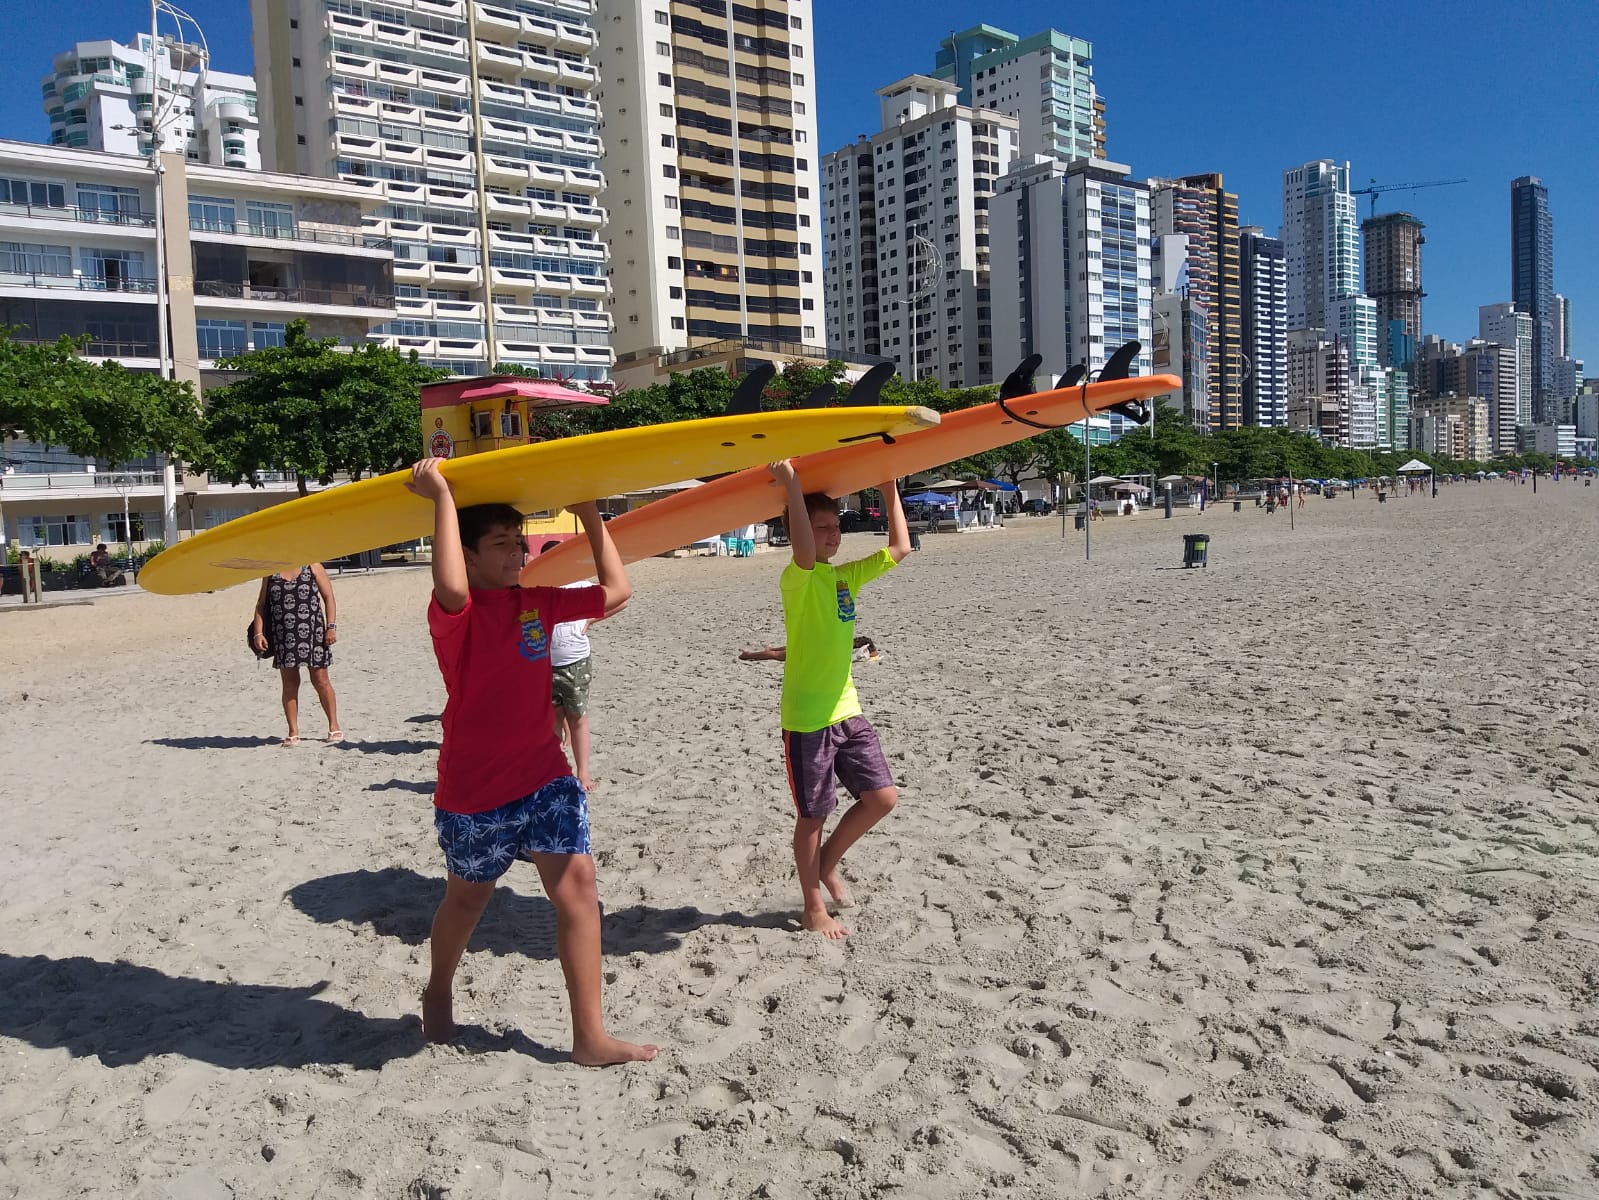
x=497 y=24
x=76 y=283
x=93 y=216
x=504 y=170
x=354 y=239
x=574 y=38
x=375 y=303
x=496 y=60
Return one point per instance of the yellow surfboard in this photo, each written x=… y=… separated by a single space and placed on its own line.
x=379 y=511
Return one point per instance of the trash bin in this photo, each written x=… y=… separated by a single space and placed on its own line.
x=1195 y=547
x=916 y=540
x=1382 y=497
x=368 y=559
x=1238 y=506
x=1079 y=520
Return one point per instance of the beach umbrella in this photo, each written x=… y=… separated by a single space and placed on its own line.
x=1106 y=479
x=1171 y=479
x=931 y=498
x=1002 y=485
x=949 y=483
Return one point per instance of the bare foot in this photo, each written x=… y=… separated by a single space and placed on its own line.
x=438 y=1018
x=837 y=888
x=609 y=1051
x=823 y=923
x=586 y=784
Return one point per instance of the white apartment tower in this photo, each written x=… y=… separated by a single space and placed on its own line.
x=1045 y=81
x=474 y=122
x=1503 y=325
x=712 y=178
x=1071 y=278
x=1263 y=307
x=906 y=225
x=103 y=95
x=1321 y=242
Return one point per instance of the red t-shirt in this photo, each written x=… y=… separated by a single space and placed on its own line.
x=499 y=724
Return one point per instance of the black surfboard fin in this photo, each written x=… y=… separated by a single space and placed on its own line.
x=1074 y=376
x=1120 y=364
x=868 y=389
x=746 y=396
x=820 y=397
x=1020 y=381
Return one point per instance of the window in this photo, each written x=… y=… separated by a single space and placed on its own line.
x=673 y=263
x=299 y=102
x=674 y=292
x=677 y=322
x=669 y=201
x=139 y=528
x=210 y=213
x=270 y=220
x=799 y=80
x=268 y=333
x=667 y=141
x=664 y=48
x=661 y=18
x=294 y=62
x=25 y=191
x=669 y=171
x=220 y=339
x=666 y=110
x=796 y=23
x=299 y=139
x=796 y=51
x=664 y=79
x=65 y=530
x=101 y=202
x=673 y=233
x=25 y=258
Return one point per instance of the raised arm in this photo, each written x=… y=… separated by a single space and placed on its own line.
x=899 y=534
x=608 y=568
x=450 y=587
x=330 y=607
x=795 y=519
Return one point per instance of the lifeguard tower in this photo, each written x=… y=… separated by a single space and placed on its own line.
x=491 y=412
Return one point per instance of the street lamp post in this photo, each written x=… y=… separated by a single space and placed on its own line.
x=1215 y=479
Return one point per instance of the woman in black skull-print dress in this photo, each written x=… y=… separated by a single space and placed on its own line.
x=291 y=606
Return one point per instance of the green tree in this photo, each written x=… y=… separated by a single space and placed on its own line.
x=315 y=409
x=52 y=397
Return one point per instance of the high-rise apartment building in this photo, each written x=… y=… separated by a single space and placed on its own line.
x=1318 y=377
x=1532 y=276
x=712 y=178
x=1321 y=242
x=1071 y=277
x=1263 y=327
x=104 y=96
x=1505 y=326
x=907 y=224
x=1045 y=81
x=1488 y=371
x=1562 y=326
x=1201 y=209
x=475 y=127
x=1393 y=244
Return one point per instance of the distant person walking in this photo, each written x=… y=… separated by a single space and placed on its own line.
x=297 y=610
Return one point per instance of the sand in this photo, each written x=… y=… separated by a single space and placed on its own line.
x=1273 y=879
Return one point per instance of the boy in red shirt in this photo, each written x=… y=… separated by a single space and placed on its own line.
x=505 y=790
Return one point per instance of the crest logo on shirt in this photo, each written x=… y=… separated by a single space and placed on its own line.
x=846 y=602
x=534 y=643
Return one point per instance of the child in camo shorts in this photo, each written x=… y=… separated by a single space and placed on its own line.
x=572 y=670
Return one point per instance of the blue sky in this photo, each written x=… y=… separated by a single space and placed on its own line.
x=1403 y=89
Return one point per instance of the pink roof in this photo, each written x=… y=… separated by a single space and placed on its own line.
x=539 y=393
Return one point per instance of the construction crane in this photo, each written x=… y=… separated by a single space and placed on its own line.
x=1377 y=188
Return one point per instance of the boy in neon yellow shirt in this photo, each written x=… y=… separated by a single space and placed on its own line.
x=826 y=740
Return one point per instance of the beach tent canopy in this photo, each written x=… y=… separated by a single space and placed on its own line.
x=1414 y=464
x=1171 y=479
x=1002 y=485
x=931 y=498
x=1129 y=487
x=949 y=483
x=1106 y=479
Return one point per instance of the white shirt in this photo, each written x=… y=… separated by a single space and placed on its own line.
x=569 y=641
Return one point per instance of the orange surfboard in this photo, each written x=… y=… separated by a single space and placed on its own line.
x=751 y=496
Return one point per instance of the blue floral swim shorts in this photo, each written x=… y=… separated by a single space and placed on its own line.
x=480 y=847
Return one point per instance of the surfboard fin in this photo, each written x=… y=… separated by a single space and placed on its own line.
x=746 y=396
x=868 y=389
x=1020 y=381
x=820 y=397
x=1074 y=376
x=1120 y=364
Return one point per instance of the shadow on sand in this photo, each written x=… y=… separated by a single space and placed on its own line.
x=398 y=902
x=123 y=1014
